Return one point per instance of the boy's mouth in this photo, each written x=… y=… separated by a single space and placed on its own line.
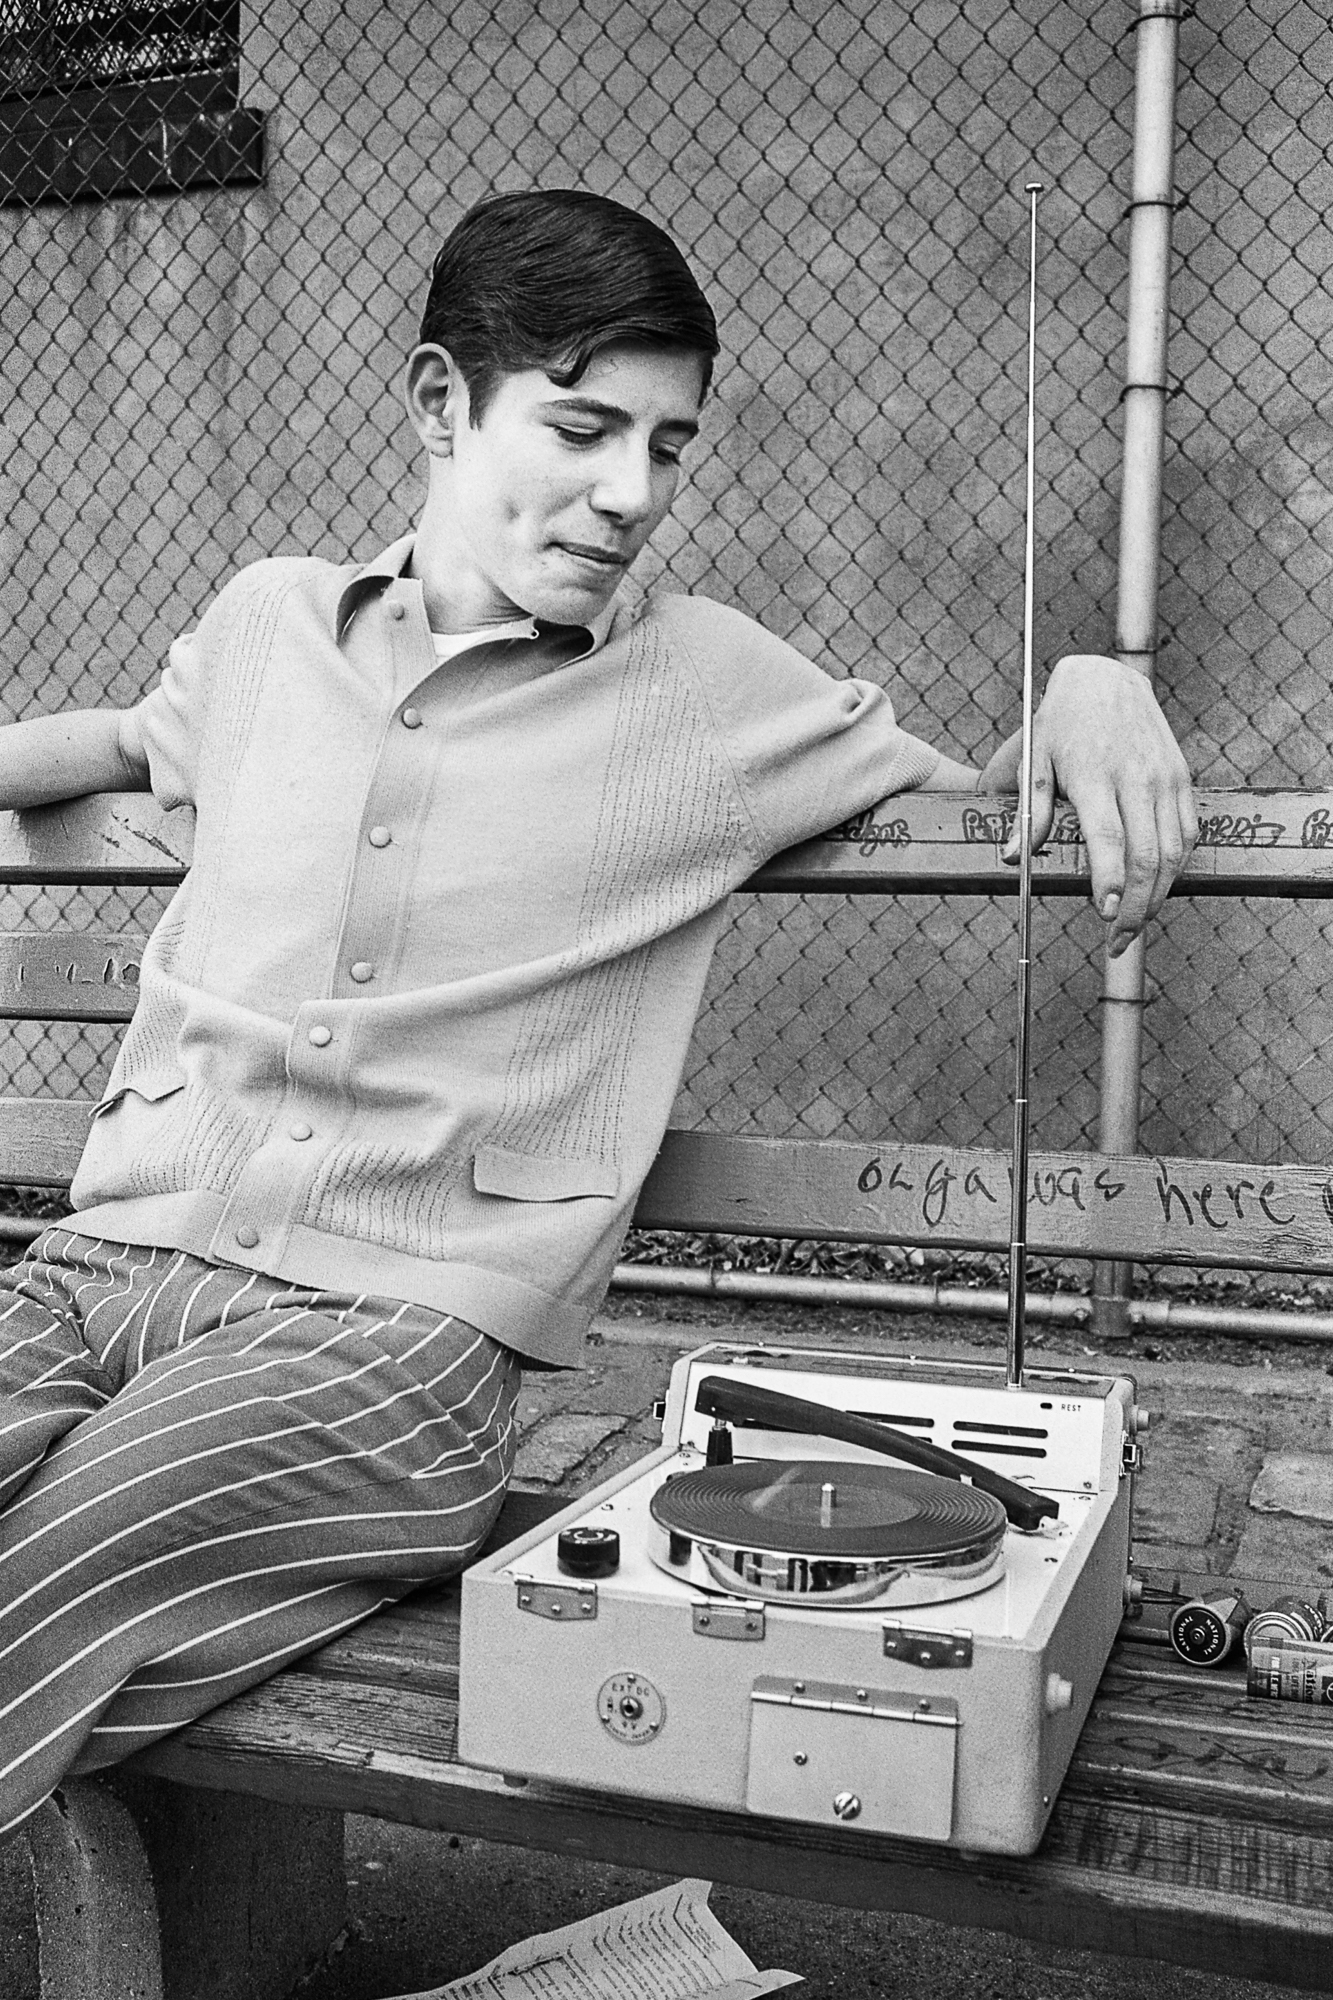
x=605 y=560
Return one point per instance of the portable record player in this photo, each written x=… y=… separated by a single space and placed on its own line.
x=812 y=1630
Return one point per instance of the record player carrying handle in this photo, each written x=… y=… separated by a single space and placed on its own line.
x=746 y=1402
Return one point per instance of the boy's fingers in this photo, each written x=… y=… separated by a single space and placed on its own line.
x=1043 y=797
x=1155 y=848
x=1043 y=805
x=1001 y=773
x=1105 y=837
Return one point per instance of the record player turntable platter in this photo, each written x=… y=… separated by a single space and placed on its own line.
x=826 y=1533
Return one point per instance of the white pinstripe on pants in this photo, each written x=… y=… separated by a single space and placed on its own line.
x=205 y=1473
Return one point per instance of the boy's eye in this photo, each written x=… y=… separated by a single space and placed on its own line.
x=570 y=435
x=666 y=454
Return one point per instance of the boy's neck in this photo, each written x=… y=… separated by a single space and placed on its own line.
x=458 y=598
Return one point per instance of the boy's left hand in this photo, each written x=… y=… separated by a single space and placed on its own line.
x=1100 y=740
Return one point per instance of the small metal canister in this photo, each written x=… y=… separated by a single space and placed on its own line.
x=1288 y=1671
x=1291 y=1618
x=1288 y=1656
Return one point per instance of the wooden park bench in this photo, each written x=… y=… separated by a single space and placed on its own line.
x=1195 y=1825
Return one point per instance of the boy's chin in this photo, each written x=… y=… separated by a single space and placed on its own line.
x=571 y=606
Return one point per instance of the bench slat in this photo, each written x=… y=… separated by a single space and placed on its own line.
x=1251 y=844
x=113 y=839
x=1080 y=1204
x=64 y=975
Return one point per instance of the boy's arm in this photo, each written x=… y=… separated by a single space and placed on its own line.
x=52 y=757
x=951 y=776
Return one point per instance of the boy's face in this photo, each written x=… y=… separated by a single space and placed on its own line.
x=546 y=502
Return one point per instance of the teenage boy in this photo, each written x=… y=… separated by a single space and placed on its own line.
x=409 y=1034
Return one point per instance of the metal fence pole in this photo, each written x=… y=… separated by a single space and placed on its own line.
x=1151 y=207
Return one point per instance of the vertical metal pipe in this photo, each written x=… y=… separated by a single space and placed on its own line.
x=1018 y=1206
x=1151 y=205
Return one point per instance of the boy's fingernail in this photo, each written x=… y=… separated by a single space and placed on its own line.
x=1111 y=905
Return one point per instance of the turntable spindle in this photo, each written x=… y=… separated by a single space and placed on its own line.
x=828 y=1500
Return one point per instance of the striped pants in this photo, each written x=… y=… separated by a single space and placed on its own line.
x=205 y=1473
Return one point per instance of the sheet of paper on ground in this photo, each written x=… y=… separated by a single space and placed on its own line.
x=667 y=1946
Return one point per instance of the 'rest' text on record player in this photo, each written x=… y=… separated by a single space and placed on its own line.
x=848 y=1590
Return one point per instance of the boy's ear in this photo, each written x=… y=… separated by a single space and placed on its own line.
x=436 y=398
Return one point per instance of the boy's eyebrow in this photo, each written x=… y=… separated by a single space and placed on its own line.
x=589 y=406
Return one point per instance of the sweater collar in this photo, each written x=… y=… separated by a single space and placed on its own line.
x=386 y=568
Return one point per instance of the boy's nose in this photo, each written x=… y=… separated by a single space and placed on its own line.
x=624 y=489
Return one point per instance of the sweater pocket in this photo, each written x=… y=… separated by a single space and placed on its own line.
x=152 y=1085
x=540 y=1176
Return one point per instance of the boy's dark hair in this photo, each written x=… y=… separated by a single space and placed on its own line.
x=548 y=279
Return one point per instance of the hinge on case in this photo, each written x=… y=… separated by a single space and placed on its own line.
x=715 y=1618
x=575 y=1604
x=928 y=1649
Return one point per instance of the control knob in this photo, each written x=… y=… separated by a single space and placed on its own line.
x=588 y=1551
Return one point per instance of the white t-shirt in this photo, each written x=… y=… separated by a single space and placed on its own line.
x=448 y=644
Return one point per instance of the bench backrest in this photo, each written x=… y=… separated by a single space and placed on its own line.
x=1080 y=1204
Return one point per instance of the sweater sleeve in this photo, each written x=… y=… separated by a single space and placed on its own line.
x=169 y=720
x=808 y=751
x=227 y=646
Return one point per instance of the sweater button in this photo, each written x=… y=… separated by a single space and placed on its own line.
x=320 y=1037
x=379 y=836
x=300 y=1130
x=247 y=1237
x=362 y=971
x=397 y=610
x=411 y=718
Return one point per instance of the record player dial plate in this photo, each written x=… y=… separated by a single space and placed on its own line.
x=630 y=1708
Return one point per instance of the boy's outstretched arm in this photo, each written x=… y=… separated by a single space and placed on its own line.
x=52 y=757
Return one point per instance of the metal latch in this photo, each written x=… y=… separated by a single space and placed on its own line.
x=716 y=1618
x=833 y=1753
x=1131 y=1454
x=928 y=1649
x=574 y=1603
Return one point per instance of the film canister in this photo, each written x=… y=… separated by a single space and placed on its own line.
x=1290 y=1618
x=1204 y=1631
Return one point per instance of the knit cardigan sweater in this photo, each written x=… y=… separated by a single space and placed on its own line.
x=414 y=1023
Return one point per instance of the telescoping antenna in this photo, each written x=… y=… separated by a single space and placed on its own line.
x=1018 y=1203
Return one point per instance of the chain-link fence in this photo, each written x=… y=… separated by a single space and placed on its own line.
x=215 y=230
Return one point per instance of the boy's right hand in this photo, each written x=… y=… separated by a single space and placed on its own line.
x=1100 y=739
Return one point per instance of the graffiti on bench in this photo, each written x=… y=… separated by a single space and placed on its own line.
x=1079 y=1204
